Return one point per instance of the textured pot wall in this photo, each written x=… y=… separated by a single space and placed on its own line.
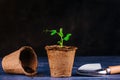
x=95 y=25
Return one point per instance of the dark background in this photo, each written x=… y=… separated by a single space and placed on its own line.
x=94 y=24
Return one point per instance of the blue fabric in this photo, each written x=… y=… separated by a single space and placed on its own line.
x=44 y=73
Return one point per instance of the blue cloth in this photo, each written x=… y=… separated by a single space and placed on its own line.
x=44 y=73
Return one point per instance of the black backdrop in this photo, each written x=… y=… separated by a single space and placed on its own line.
x=94 y=24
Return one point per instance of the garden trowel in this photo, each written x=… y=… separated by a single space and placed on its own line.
x=95 y=69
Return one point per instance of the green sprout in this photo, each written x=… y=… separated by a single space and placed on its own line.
x=61 y=35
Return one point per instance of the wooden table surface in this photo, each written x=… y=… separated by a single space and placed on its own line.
x=44 y=73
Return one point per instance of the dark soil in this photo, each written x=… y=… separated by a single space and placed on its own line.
x=57 y=47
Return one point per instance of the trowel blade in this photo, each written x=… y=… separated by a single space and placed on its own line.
x=90 y=69
x=90 y=66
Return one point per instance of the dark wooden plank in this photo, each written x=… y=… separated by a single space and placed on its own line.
x=44 y=73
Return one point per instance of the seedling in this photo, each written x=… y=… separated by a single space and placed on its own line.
x=61 y=35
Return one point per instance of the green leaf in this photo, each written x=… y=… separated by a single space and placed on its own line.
x=59 y=42
x=67 y=37
x=53 y=32
x=61 y=32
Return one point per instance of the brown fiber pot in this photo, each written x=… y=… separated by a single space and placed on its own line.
x=60 y=60
x=21 y=61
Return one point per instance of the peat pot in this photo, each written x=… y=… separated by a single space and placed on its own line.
x=60 y=60
x=21 y=61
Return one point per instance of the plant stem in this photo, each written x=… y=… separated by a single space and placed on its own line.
x=61 y=42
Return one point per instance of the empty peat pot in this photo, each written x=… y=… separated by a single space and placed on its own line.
x=21 y=61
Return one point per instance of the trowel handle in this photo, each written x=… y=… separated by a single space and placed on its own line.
x=114 y=69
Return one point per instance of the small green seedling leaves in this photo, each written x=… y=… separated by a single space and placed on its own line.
x=67 y=37
x=62 y=37
x=61 y=32
x=60 y=43
x=53 y=32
